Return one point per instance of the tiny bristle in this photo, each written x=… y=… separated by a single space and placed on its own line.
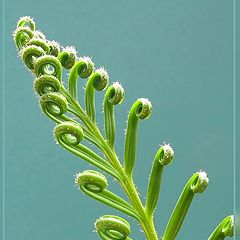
x=102 y=70
x=69 y=49
x=40 y=34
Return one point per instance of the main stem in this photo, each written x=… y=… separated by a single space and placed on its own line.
x=126 y=181
x=147 y=226
x=129 y=187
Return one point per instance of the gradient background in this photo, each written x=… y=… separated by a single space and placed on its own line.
x=176 y=53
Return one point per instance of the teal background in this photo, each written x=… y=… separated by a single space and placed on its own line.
x=237 y=119
x=179 y=54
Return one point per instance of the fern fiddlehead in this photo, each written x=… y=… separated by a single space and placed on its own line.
x=163 y=157
x=113 y=96
x=141 y=109
x=48 y=65
x=110 y=227
x=95 y=185
x=98 y=81
x=75 y=125
x=54 y=105
x=196 y=184
x=21 y=36
x=45 y=84
x=82 y=68
x=39 y=42
x=54 y=48
x=30 y=54
x=67 y=57
x=26 y=21
x=224 y=229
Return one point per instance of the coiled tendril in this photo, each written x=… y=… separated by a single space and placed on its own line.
x=196 y=184
x=30 y=55
x=224 y=229
x=54 y=48
x=54 y=105
x=141 y=109
x=163 y=157
x=97 y=81
x=92 y=181
x=48 y=65
x=110 y=227
x=94 y=184
x=67 y=57
x=82 y=68
x=39 y=34
x=21 y=36
x=113 y=96
x=39 y=43
x=26 y=22
x=46 y=83
x=68 y=134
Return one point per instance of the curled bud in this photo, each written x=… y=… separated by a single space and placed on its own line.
x=54 y=48
x=91 y=180
x=98 y=81
x=86 y=68
x=196 y=184
x=22 y=36
x=48 y=65
x=167 y=154
x=141 y=109
x=82 y=68
x=163 y=157
x=38 y=34
x=46 y=83
x=144 y=108
x=68 y=134
x=54 y=105
x=114 y=95
x=30 y=54
x=68 y=57
x=26 y=22
x=112 y=227
x=224 y=229
x=200 y=183
x=38 y=42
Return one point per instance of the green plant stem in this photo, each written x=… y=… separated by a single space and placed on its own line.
x=125 y=181
x=131 y=191
x=128 y=186
x=147 y=225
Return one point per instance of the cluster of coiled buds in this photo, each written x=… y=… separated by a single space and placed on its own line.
x=76 y=123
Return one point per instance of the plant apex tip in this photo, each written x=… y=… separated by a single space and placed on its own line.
x=201 y=182
x=168 y=154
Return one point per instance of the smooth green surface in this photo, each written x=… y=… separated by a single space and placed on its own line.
x=179 y=55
